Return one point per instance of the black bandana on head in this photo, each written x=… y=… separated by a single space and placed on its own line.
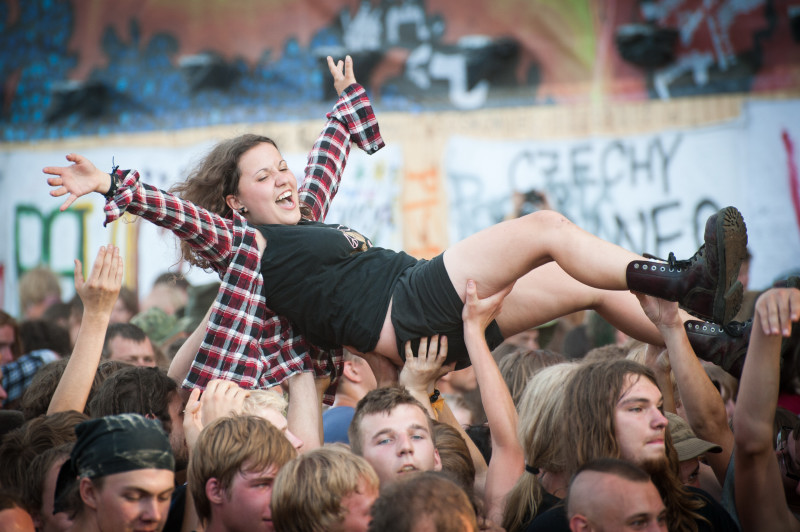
x=114 y=444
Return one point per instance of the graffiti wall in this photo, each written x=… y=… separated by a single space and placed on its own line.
x=90 y=67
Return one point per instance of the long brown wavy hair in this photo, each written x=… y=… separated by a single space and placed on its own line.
x=214 y=178
x=592 y=396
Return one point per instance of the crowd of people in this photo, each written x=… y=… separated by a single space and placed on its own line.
x=530 y=378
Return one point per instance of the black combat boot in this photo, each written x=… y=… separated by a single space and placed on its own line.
x=725 y=346
x=704 y=285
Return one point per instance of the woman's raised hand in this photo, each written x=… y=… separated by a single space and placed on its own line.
x=342 y=73
x=78 y=179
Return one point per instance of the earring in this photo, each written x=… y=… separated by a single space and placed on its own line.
x=243 y=210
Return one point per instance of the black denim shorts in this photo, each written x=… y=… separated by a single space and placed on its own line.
x=425 y=303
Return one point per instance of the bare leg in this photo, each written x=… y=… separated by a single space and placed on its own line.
x=547 y=293
x=503 y=253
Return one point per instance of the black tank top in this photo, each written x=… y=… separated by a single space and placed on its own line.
x=329 y=282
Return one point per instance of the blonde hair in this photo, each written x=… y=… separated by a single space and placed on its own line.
x=518 y=367
x=264 y=399
x=37 y=286
x=542 y=421
x=308 y=491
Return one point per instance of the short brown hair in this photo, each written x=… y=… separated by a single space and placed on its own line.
x=426 y=497
x=37 y=473
x=135 y=390
x=308 y=490
x=454 y=453
x=379 y=401
x=22 y=445
x=226 y=446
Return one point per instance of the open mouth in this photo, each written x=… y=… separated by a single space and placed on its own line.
x=285 y=199
x=407 y=469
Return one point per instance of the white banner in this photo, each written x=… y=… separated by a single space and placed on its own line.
x=648 y=193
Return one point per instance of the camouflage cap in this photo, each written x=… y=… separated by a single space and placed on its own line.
x=157 y=324
x=115 y=444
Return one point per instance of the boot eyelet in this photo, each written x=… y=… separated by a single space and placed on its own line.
x=636 y=265
x=663 y=269
x=705 y=327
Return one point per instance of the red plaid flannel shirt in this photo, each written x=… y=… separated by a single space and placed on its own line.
x=245 y=341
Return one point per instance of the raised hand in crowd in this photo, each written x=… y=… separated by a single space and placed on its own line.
x=99 y=293
x=220 y=398
x=760 y=478
x=508 y=461
x=420 y=373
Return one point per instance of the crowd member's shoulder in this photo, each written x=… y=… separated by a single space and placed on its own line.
x=552 y=520
x=718 y=518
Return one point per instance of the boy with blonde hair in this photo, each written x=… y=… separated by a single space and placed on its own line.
x=231 y=472
x=328 y=489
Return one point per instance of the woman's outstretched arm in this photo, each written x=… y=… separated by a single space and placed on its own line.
x=209 y=234
x=508 y=460
x=98 y=293
x=352 y=119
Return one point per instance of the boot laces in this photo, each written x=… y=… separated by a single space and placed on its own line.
x=673 y=262
x=737 y=329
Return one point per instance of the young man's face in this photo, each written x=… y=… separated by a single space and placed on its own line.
x=399 y=442
x=640 y=424
x=245 y=505
x=132 y=501
x=621 y=504
x=357 y=505
x=132 y=352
